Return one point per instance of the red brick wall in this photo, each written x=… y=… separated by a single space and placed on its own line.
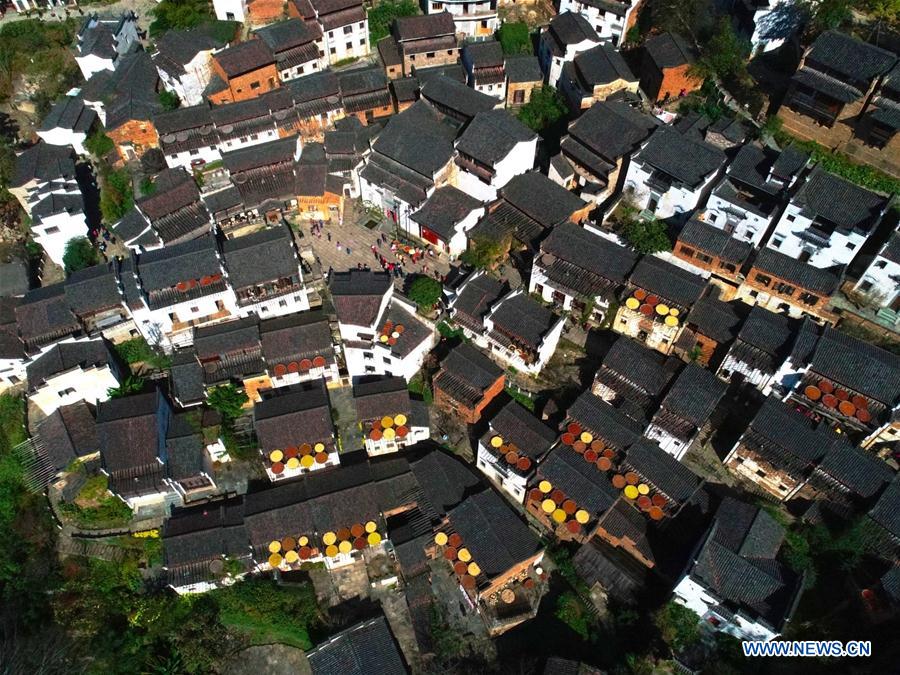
x=677 y=80
x=241 y=88
x=141 y=134
x=262 y=12
x=470 y=415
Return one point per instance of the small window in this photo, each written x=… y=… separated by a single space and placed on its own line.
x=53 y=229
x=777 y=241
x=254 y=85
x=881 y=264
x=851 y=245
x=349 y=46
x=429 y=55
x=348 y=30
x=362 y=42
x=763 y=279
x=791 y=219
x=195 y=310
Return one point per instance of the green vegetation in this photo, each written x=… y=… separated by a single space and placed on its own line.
x=515 y=38
x=79 y=253
x=425 y=292
x=170 y=14
x=417 y=385
x=95 y=507
x=678 y=626
x=7 y=165
x=485 y=253
x=116 y=194
x=137 y=350
x=99 y=144
x=646 y=236
x=572 y=611
x=266 y=613
x=41 y=52
x=148 y=187
x=724 y=56
x=447 y=331
x=132 y=384
x=169 y=100
x=228 y=400
x=524 y=399
x=382 y=15
x=545 y=109
x=838 y=163
x=345 y=61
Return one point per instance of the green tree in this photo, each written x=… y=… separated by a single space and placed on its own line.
x=169 y=99
x=79 y=253
x=647 y=236
x=515 y=38
x=382 y=15
x=170 y=14
x=425 y=292
x=116 y=194
x=228 y=400
x=99 y=144
x=485 y=253
x=678 y=626
x=828 y=14
x=545 y=108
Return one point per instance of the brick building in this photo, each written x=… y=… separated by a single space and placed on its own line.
x=242 y=72
x=467 y=382
x=712 y=251
x=665 y=67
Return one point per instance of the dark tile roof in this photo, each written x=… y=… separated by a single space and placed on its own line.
x=130 y=93
x=858 y=365
x=604 y=421
x=186 y=379
x=165 y=267
x=612 y=129
x=285 y=35
x=93 y=289
x=450 y=94
x=718 y=320
x=753 y=164
x=444 y=210
x=418 y=139
x=177 y=48
x=405 y=89
x=226 y=336
x=668 y=281
x=522 y=429
x=367 y=647
x=541 y=199
x=423 y=26
x=476 y=298
x=14 y=280
x=570 y=28
x=466 y=373
x=524 y=318
x=295 y=417
x=602 y=65
x=848 y=56
x=859 y=471
x=377 y=398
x=361 y=80
x=414 y=331
x=737 y=562
x=886 y=511
x=245 y=57
x=662 y=470
x=485 y=54
x=444 y=479
x=683 y=157
x=261 y=257
x=45 y=312
x=588 y=254
x=295 y=337
x=669 y=50
x=389 y=51
x=68 y=433
x=694 y=395
x=891 y=249
x=718 y=243
x=581 y=481
x=523 y=69
x=71 y=114
x=43 y=162
x=262 y=155
x=357 y=295
x=492 y=135
x=837 y=200
x=495 y=535
x=804 y=275
x=186 y=450
x=454 y=71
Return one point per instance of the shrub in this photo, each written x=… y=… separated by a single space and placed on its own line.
x=647 y=236
x=515 y=38
x=425 y=292
x=116 y=195
x=382 y=15
x=99 y=144
x=79 y=253
x=228 y=400
x=169 y=100
x=545 y=108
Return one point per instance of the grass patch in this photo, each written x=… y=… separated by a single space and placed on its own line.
x=572 y=612
x=137 y=350
x=522 y=398
x=267 y=613
x=96 y=508
x=345 y=62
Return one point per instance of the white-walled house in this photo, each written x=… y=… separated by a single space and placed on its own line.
x=298 y=348
x=568 y=35
x=753 y=191
x=386 y=400
x=230 y=10
x=493 y=149
x=298 y=46
x=179 y=287
x=345 y=26
x=484 y=64
x=381 y=333
x=881 y=280
x=57 y=218
x=520 y=332
x=827 y=221
x=12 y=351
x=188 y=136
x=72 y=371
x=475 y=19
x=445 y=217
x=610 y=18
x=671 y=173
x=770 y=23
x=183 y=60
x=101 y=41
x=734 y=581
x=69 y=122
